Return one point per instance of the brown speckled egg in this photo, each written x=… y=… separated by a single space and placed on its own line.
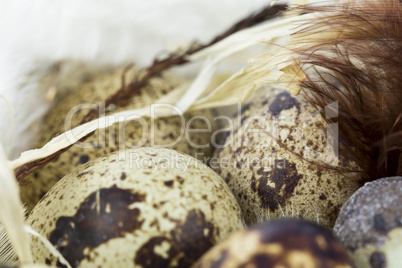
x=280 y=162
x=281 y=243
x=166 y=130
x=144 y=207
x=370 y=224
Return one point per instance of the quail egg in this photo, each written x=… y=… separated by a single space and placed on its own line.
x=282 y=243
x=281 y=161
x=144 y=207
x=370 y=224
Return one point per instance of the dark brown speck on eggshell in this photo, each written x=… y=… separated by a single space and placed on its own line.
x=102 y=216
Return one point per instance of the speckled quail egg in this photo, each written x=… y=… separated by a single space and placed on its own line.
x=280 y=161
x=280 y=243
x=162 y=132
x=370 y=224
x=144 y=207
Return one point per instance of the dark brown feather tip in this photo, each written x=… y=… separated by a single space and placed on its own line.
x=358 y=63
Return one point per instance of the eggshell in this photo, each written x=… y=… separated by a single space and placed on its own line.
x=280 y=162
x=370 y=224
x=166 y=132
x=283 y=243
x=145 y=207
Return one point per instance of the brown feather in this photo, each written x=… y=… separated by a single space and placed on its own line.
x=358 y=63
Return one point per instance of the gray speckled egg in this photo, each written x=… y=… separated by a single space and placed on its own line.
x=102 y=142
x=144 y=207
x=280 y=243
x=280 y=162
x=370 y=224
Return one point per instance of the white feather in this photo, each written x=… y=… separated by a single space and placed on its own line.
x=12 y=213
